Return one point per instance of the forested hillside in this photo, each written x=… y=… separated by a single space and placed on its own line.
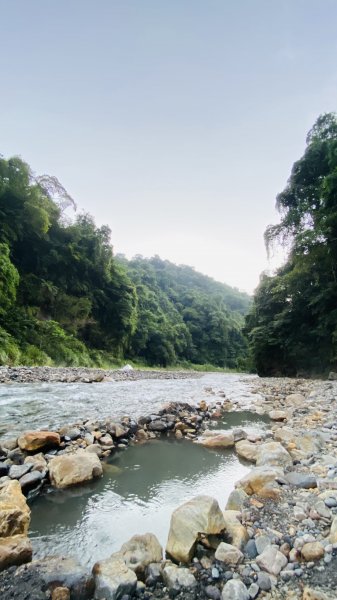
x=292 y=325
x=65 y=299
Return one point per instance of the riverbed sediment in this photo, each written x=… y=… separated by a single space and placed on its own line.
x=280 y=534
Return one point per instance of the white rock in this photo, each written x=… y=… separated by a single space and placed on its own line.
x=271 y=560
x=234 y=589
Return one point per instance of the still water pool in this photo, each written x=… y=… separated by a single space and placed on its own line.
x=138 y=493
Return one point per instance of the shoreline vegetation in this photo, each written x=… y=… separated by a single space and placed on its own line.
x=67 y=300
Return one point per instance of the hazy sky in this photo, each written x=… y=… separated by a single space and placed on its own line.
x=176 y=122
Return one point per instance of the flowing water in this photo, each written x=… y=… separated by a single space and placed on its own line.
x=142 y=485
x=50 y=405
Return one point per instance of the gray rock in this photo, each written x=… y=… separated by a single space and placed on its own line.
x=31 y=480
x=261 y=542
x=113 y=579
x=253 y=590
x=17 y=471
x=263 y=581
x=301 y=480
x=250 y=549
x=212 y=592
x=157 y=426
x=228 y=554
x=271 y=560
x=235 y=590
x=177 y=578
x=330 y=502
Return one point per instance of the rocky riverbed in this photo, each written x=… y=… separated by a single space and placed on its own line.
x=276 y=538
x=86 y=375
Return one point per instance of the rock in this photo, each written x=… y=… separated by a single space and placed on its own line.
x=15 y=550
x=237 y=499
x=246 y=450
x=70 y=469
x=261 y=481
x=311 y=594
x=17 y=471
x=263 y=581
x=271 y=560
x=253 y=591
x=273 y=454
x=199 y=515
x=217 y=440
x=250 y=549
x=94 y=449
x=58 y=571
x=126 y=369
x=286 y=435
x=310 y=443
x=278 y=415
x=212 y=592
x=332 y=376
x=60 y=593
x=10 y=444
x=333 y=531
x=14 y=510
x=301 y=480
x=297 y=400
x=236 y=532
x=239 y=435
x=312 y=551
x=157 y=426
x=261 y=543
x=177 y=578
x=35 y=440
x=140 y=551
x=31 y=480
x=113 y=579
x=322 y=510
x=37 y=461
x=235 y=590
x=228 y=554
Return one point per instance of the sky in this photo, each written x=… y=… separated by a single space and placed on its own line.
x=175 y=122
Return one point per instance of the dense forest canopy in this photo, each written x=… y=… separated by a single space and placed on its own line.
x=292 y=325
x=65 y=299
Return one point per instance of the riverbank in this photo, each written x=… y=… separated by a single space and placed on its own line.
x=87 y=375
x=277 y=537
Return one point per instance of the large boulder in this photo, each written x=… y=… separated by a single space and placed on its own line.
x=262 y=481
x=273 y=454
x=224 y=439
x=247 y=450
x=70 y=469
x=35 y=440
x=113 y=579
x=140 y=551
x=15 y=550
x=202 y=514
x=234 y=530
x=14 y=510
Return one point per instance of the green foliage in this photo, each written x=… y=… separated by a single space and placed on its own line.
x=292 y=325
x=65 y=299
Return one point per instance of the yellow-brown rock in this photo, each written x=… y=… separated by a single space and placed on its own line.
x=202 y=514
x=312 y=551
x=236 y=532
x=246 y=450
x=71 y=469
x=14 y=510
x=36 y=440
x=261 y=481
x=15 y=550
x=218 y=440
